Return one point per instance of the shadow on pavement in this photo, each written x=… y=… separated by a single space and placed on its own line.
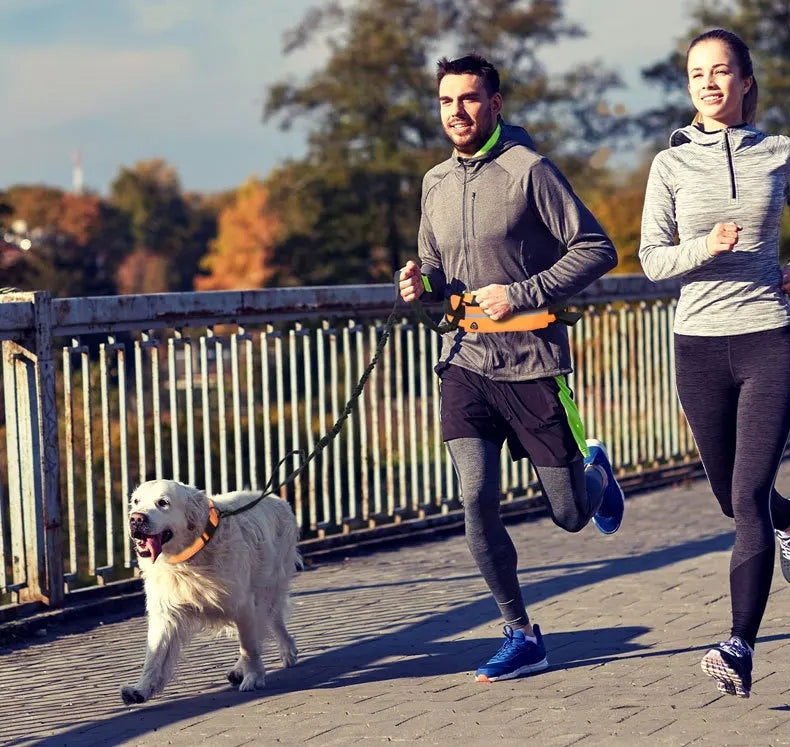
x=421 y=650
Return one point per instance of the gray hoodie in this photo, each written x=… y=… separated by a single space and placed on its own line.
x=509 y=216
x=738 y=175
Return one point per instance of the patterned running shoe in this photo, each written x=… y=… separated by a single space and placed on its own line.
x=610 y=513
x=516 y=657
x=730 y=664
x=784 y=552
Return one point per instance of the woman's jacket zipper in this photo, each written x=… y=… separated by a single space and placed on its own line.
x=728 y=149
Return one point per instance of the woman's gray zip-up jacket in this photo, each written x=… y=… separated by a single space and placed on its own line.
x=736 y=175
x=509 y=217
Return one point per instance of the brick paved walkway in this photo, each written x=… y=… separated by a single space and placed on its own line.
x=389 y=641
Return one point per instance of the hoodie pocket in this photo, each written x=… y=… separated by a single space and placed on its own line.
x=488 y=221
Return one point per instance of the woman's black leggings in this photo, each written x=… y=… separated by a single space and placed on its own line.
x=735 y=392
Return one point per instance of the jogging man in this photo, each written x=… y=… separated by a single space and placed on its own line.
x=501 y=221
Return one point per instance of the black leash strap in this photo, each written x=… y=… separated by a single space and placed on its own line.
x=270 y=488
x=445 y=325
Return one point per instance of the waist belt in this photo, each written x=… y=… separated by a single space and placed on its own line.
x=463 y=312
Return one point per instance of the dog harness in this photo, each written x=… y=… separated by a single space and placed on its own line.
x=202 y=540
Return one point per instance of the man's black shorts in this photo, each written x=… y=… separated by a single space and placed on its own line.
x=528 y=414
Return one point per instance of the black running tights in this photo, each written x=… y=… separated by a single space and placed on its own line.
x=573 y=495
x=735 y=393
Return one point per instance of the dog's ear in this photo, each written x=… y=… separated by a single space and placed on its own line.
x=196 y=508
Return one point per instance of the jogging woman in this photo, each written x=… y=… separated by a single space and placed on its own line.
x=720 y=188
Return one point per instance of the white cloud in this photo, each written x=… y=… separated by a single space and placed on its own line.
x=185 y=79
x=157 y=16
x=59 y=84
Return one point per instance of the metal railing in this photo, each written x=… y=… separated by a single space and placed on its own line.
x=215 y=388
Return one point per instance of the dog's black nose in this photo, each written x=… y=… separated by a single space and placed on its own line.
x=136 y=521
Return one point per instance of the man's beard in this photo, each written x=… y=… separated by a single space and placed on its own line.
x=475 y=143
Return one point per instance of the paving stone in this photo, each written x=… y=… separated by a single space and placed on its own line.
x=389 y=642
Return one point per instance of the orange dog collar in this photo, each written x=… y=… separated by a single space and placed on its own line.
x=202 y=540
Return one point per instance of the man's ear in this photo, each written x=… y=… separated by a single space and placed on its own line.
x=496 y=104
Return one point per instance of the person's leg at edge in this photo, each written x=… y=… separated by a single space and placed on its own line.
x=476 y=463
x=762 y=430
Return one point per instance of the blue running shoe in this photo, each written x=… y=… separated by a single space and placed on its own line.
x=516 y=657
x=610 y=512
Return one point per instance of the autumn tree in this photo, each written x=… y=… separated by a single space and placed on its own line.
x=170 y=230
x=616 y=201
x=240 y=256
x=78 y=241
x=374 y=125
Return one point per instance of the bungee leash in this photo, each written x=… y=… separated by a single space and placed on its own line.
x=461 y=311
x=215 y=514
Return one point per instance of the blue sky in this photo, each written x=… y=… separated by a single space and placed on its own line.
x=184 y=80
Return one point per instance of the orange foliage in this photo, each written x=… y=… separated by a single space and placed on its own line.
x=53 y=211
x=618 y=208
x=80 y=216
x=240 y=257
x=40 y=206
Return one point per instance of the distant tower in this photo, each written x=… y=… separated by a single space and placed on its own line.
x=76 y=174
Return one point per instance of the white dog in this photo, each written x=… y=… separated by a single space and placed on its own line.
x=240 y=577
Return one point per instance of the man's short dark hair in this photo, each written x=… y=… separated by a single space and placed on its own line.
x=472 y=64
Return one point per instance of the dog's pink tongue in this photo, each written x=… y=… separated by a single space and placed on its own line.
x=154 y=545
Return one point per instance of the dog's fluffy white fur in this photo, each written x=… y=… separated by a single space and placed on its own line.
x=240 y=578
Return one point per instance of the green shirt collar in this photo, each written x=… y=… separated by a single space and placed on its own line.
x=491 y=141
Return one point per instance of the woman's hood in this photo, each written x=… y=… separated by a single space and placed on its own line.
x=740 y=134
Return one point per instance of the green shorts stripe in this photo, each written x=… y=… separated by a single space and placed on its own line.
x=572 y=413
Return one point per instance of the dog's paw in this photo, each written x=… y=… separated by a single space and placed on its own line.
x=131 y=695
x=235 y=677
x=290 y=656
x=288 y=651
x=253 y=681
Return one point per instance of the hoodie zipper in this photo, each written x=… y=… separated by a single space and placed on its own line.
x=465 y=233
x=464 y=227
x=727 y=148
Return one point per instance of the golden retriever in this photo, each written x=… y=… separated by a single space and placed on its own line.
x=240 y=578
